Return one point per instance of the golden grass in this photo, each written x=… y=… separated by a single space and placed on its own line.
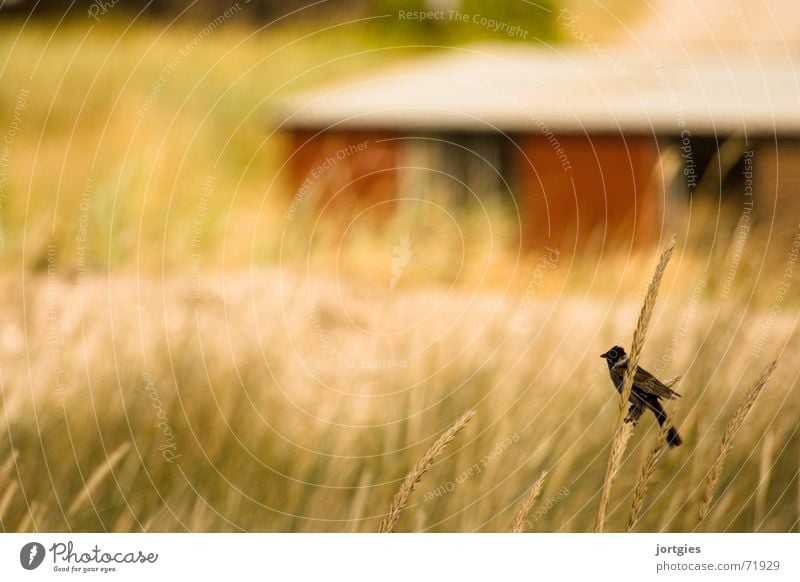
x=618 y=445
x=649 y=465
x=11 y=488
x=640 y=333
x=646 y=473
x=731 y=430
x=764 y=473
x=96 y=478
x=624 y=429
x=414 y=476
x=268 y=449
x=520 y=523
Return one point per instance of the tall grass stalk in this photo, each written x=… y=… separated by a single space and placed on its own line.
x=729 y=435
x=414 y=476
x=649 y=467
x=625 y=429
x=520 y=522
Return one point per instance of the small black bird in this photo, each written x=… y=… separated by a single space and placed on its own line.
x=645 y=393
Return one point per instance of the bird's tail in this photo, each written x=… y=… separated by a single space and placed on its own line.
x=673 y=438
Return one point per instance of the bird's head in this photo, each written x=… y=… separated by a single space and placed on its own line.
x=614 y=355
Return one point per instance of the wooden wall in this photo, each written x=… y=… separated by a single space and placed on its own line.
x=580 y=192
x=341 y=171
x=574 y=191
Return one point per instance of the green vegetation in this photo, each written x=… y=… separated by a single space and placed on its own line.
x=135 y=121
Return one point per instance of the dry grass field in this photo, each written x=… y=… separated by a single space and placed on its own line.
x=279 y=402
x=256 y=379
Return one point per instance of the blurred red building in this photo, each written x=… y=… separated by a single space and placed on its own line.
x=584 y=147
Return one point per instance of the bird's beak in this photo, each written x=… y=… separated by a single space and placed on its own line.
x=604 y=355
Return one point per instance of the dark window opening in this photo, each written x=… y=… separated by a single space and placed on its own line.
x=711 y=166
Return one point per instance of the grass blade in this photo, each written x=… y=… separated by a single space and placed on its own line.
x=649 y=467
x=97 y=477
x=729 y=435
x=414 y=476
x=519 y=524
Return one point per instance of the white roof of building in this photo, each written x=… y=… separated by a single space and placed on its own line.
x=522 y=88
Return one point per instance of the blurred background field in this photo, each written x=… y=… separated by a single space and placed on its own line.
x=174 y=358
